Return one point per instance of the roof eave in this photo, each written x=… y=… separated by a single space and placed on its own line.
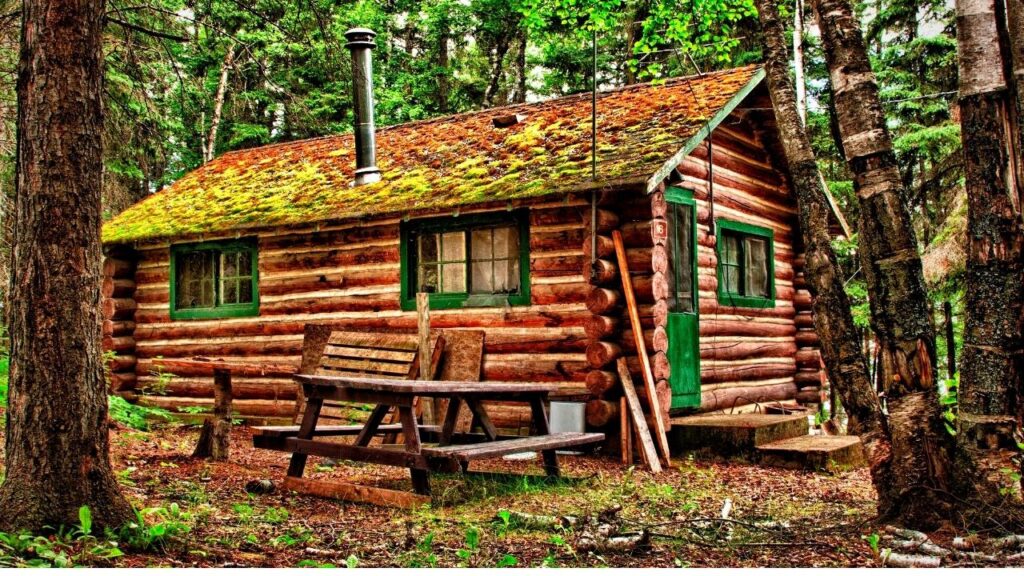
x=662 y=173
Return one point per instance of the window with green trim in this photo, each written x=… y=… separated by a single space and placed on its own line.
x=214 y=280
x=476 y=260
x=746 y=265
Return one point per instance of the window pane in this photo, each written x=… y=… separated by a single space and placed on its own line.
x=229 y=291
x=194 y=279
x=229 y=264
x=681 y=269
x=757 y=267
x=453 y=247
x=730 y=252
x=245 y=264
x=483 y=276
x=429 y=247
x=506 y=242
x=245 y=295
x=453 y=277
x=428 y=278
x=480 y=242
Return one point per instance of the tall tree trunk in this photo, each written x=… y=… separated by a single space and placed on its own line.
x=991 y=367
x=218 y=104
x=833 y=321
x=892 y=268
x=443 y=85
x=798 y=60
x=519 y=96
x=57 y=451
x=497 y=61
x=1015 y=38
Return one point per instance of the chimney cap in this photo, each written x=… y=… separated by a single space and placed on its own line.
x=360 y=38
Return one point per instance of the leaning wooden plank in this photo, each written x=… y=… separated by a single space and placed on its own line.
x=641 y=346
x=649 y=453
x=553 y=441
x=463 y=361
x=355 y=493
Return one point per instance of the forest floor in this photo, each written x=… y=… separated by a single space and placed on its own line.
x=778 y=517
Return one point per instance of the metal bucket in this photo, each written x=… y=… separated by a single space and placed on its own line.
x=567 y=417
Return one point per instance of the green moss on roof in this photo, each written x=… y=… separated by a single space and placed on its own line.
x=436 y=164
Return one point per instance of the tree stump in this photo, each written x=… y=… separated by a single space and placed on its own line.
x=215 y=437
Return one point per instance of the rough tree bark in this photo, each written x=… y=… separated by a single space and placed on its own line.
x=991 y=366
x=892 y=269
x=57 y=452
x=840 y=339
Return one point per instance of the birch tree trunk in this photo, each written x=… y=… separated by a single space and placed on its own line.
x=210 y=150
x=991 y=368
x=892 y=268
x=57 y=451
x=833 y=321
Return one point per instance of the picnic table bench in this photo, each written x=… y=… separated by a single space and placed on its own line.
x=448 y=450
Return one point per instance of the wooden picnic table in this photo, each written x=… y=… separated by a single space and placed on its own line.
x=450 y=452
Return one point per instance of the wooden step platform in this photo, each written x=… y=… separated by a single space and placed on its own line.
x=827 y=453
x=733 y=434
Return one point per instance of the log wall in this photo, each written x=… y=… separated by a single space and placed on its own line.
x=349 y=273
x=748 y=355
x=118 y=302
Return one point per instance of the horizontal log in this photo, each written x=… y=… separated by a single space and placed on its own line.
x=807 y=339
x=809 y=396
x=747 y=348
x=118 y=267
x=604 y=301
x=600 y=382
x=119 y=344
x=241 y=367
x=122 y=363
x=264 y=408
x=713 y=328
x=601 y=354
x=601 y=272
x=573 y=374
x=807 y=378
x=118 y=308
x=808 y=358
x=241 y=388
x=729 y=398
x=117 y=287
x=765 y=371
x=659 y=339
x=802 y=300
x=637 y=233
x=605 y=247
x=600 y=413
x=804 y=320
x=359 y=256
x=600 y=327
x=122 y=381
x=660 y=366
x=118 y=327
x=556 y=240
x=607 y=221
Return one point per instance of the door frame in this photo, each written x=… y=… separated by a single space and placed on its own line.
x=684 y=400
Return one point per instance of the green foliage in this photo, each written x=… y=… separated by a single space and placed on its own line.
x=949 y=403
x=135 y=416
x=154 y=528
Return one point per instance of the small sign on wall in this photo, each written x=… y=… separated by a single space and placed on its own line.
x=659 y=231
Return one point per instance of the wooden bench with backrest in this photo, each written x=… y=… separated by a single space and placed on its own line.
x=330 y=352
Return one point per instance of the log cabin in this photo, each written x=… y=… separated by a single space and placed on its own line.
x=497 y=215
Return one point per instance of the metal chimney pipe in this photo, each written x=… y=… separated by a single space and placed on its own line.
x=360 y=42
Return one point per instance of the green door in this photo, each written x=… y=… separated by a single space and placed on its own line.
x=683 y=334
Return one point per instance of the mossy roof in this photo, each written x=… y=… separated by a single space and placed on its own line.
x=440 y=163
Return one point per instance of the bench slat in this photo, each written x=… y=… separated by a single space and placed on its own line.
x=465 y=453
x=369 y=353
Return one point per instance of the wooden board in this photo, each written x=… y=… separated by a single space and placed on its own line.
x=649 y=452
x=553 y=441
x=355 y=492
x=641 y=346
x=463 y=361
